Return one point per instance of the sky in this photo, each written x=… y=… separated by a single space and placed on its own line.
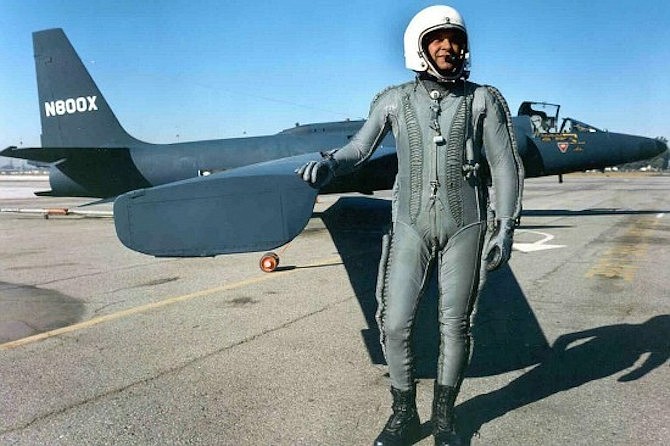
x=179 y=70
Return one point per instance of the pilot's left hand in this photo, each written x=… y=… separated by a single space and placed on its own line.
x=499 y=247
x=318 y=173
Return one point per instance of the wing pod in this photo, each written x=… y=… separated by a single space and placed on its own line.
x=253 y=208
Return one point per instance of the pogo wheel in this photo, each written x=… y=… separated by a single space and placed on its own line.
x=269 y=262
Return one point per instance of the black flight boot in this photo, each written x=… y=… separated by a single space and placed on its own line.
x=443 y=416
x=403 y=428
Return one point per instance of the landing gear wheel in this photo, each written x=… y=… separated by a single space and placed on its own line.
x=269 y=262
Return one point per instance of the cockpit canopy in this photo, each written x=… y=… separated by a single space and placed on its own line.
x=543 y=116
x=544 y=119
x=571 y=125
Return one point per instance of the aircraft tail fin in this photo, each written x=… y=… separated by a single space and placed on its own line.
x=73 y=112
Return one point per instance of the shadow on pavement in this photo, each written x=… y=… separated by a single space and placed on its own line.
x=585 y=212
x=573 y=360
x=507 y=334
x=27 y=310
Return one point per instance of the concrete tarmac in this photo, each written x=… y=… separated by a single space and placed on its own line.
x=101 y=345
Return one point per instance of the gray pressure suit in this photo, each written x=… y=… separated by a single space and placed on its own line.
x=439 y=208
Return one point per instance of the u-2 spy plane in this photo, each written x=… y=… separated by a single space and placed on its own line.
x=206 y=198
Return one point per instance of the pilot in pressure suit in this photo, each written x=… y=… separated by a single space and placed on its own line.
x=452 y=138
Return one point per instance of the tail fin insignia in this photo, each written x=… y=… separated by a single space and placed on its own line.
x=80 y=104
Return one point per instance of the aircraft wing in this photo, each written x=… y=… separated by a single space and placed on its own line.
x=252 y=208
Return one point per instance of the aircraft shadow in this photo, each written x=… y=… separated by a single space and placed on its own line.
x=586 y=212
x=27 y=310
x=531 y=227
x=506 y=331
x=573 y=360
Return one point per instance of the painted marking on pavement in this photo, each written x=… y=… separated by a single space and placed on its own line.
x=539 y=245
x=162 y=303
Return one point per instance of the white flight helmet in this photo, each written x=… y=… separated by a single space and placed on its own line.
x=425 y=21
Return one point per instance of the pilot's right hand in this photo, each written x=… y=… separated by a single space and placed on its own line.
x=499 y=248
x=317 y=173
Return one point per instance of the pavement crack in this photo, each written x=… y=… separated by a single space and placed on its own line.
x=100 y=272
x=110 y=304
x=173 y=370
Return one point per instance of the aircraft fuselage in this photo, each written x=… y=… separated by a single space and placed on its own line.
x=92 y=155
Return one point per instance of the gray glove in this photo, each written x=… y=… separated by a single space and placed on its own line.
x=499 y=248
x=318 y=173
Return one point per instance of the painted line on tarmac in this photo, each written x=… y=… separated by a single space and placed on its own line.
x=539 y=245
x=332 y=261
